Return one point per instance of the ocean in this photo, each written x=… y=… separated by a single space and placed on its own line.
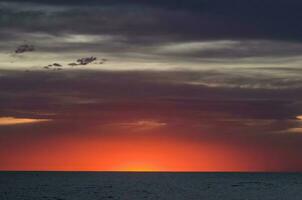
x=157 y=186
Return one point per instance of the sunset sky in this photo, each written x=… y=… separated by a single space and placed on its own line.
x=185 y=85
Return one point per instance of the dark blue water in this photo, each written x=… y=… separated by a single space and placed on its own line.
x=133 y=186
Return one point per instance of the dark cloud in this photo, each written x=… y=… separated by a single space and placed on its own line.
x=52 y=92
x=198 y=20
x=250 y=29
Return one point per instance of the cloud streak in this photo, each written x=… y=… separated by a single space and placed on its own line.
x=6 y=121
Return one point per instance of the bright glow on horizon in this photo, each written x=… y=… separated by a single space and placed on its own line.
x=137 y=167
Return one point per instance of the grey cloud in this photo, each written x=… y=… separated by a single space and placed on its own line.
x=144 y=20
x=233 y=49
x=112 y=86
x=149 y=30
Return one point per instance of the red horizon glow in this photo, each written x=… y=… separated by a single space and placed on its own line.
x=127 y=153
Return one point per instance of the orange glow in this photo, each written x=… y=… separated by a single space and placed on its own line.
x=14 y=121
x=119 y=148
x=299 y=117
x=295 y=130
x=137 y=167
x=123 y=154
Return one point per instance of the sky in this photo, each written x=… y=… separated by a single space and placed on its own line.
x=195 y=85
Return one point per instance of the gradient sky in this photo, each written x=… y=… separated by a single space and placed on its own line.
x=195 y=85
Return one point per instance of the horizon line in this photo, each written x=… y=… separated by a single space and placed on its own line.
x=107 y=171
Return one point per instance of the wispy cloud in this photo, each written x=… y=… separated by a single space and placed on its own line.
x=141 y=125
x=6 y=121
